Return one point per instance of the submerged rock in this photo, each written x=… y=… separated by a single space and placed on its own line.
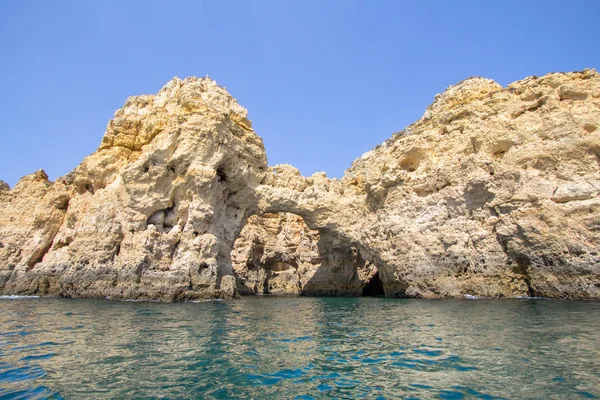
x=492 y=193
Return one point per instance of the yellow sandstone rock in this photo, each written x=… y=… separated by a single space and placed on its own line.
x=494 y=192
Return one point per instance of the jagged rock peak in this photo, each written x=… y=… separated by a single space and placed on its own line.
x=153 y=213
x=478 y=98
x=177 y=99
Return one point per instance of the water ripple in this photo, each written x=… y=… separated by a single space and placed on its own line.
x=303 y=348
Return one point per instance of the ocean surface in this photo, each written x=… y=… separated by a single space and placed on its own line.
x=300 y=348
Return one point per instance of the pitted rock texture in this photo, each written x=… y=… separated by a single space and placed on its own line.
x=152 y=214
x=494 y=192
x=279 y=254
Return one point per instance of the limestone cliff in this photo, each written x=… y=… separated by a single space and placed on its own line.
x=153 y=213
x=493 y=192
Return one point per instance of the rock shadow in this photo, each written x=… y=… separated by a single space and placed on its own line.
x=277 y=253
x=374 y=287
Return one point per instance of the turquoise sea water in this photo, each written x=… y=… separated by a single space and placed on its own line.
x=300 y=348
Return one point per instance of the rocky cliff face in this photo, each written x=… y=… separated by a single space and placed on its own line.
x=493 y=192
x=153 y=213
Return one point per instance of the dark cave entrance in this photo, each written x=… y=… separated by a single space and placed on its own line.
x=374 y=287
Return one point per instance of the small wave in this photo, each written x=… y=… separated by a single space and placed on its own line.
x=37 y=392
x=20 y=374
x=471 y=297
x=17 y=297
x=161 y=301
x=38 y=357
x=134 y=300
x=204 y=301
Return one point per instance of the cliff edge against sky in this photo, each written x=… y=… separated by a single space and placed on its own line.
x=494 y=192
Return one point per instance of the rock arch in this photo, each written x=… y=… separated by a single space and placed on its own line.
x=277 y=253
x=494 y=192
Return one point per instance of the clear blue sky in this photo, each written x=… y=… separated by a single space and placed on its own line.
x=324 y=81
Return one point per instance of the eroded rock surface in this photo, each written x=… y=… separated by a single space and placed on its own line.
x=152 y=214
x=494 y=192
x=279 y=254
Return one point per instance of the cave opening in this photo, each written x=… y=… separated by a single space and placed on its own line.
x=374 y=287
x=221 y=175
